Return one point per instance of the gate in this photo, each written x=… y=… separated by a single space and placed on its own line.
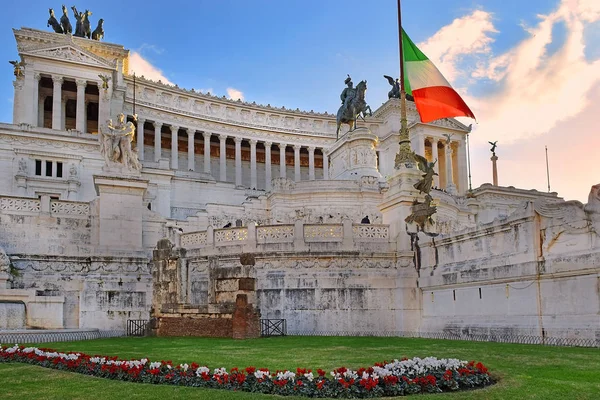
x=137 y=327
x=273 y=327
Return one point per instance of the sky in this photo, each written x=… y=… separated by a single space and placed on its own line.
x=529 y=70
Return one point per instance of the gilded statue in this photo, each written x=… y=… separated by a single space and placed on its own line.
x=18 y=68
x=105 y=80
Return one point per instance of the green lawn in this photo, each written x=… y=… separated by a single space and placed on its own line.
x=522 y=371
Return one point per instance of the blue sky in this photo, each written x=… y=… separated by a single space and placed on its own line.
x=297 y=53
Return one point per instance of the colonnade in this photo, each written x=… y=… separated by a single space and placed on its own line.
x=445 y=152
x=268 y=146
x=35 y=114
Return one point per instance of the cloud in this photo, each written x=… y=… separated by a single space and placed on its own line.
x=235 y=94
x=142 y=67
x=538 y=90
x=467 y=35
x=538 y=97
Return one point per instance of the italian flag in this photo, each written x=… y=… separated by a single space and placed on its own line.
x=434 y=97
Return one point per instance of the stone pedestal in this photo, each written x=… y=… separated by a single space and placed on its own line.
x=397 y=204
x=119 y=225
x=354 y=156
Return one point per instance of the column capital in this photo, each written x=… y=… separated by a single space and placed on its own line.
x=37 y=76
x=157 y=124
x=191 y=131
x=311 y=149
x=222 y=137
x=174 y=128
x=141 y=119
x=57 y=79
x=268 y=144
x=282 y=145
x=206 y=135
x=253 y=142
x=297 y=147
x=81 y=82
x=237 y=139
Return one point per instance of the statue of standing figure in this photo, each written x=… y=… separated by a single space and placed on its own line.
x=115 y=143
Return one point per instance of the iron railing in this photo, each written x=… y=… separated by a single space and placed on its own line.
x=567 y=339
x=273 y=327
x=10 y=338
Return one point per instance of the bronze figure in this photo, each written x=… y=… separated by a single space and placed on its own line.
x=425 y=184
x=493 y=149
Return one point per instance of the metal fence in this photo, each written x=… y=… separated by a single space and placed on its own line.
x=9 y=338
x=138 y=327
x=273 y=327
x=578 y=339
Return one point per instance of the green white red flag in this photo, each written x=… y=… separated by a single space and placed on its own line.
x=434 y=96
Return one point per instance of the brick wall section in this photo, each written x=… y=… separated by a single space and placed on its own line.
x=246 y=320
x=195 y=326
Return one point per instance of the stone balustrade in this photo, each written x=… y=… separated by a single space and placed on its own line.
x=44 y=204
x=297 y=237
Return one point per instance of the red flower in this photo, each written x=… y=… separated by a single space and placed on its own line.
x=320 y=384
x=250 y=370
x=321 y=372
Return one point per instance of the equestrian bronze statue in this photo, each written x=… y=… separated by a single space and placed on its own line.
x=353 y=105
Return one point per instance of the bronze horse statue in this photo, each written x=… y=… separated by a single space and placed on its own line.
x=357 y=106
x=54 y=22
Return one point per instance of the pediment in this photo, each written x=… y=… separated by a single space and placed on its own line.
x=69 y=53
x=450 y=123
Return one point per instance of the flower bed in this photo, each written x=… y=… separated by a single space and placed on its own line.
x=396 y=378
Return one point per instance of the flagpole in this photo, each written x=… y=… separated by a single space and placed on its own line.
x=547 y=169
x=404 y=156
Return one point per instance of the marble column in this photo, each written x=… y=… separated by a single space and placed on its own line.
x=297 y=162
x=435 y=158
x=35 y=120
x=223 y=158
x=63 y=105
x=174 y=147
x=311 y=163
x=206 y=136
x=80 y=113
x=238 y=161
x=40 y=117
x=253 y=163
x=157 y=139
x=325 y=165
x=140 y=138
x=57 y=102
x=450 y=187
x=191 y=132
x=282 y=147
x=268 y=166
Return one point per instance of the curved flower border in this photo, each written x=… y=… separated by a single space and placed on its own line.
x=396 y=378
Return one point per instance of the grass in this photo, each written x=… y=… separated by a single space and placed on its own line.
x=522 y=371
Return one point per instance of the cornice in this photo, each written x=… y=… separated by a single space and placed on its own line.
x=158 y=85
